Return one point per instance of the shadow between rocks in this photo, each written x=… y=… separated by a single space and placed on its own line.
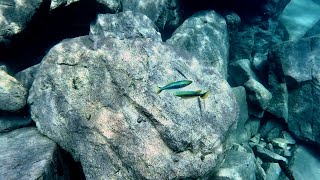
x=46 y=29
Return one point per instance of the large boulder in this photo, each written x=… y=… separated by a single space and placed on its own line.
x=12 y=122
x=205 y=35
x=125 y=25
x=112 y=6
x=166 y=14
x=26 y=77
x=13 y=96
x=14 y=17
x=26 y=154
x=299 y=17
x=97 y=100
x=315 y=30
x=296 y=63
x=237 y=165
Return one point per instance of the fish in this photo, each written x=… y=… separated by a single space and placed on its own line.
x=191 y=94
x=174 y=85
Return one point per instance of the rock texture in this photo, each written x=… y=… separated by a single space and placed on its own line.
x=98 y=101
x=296 y=63
x=205 y=35
x=126 y=25
x=14 y=17
x=13 y=95
x=299 y=17
x=112 y=6
x=237 y=165
x=166 y=14
x=11 y=122
x=305 y=163
x=26 y=77
x=26 y=154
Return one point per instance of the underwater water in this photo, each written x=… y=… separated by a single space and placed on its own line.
x=161 y=89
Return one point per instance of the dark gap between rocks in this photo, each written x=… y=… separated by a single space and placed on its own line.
x=75 y=168
x=45 y=30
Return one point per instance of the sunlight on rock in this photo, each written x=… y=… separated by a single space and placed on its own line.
x=299 y=16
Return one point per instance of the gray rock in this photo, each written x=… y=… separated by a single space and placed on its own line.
x=260 y=63
x=297 y=65
x=100 y=104
x=271 y=129
x=295 y=14
x=305 y=164
x=240 y=94
x=266 y=155
x=237 y=165
x=15 y=16
x=242 y=45
x=258 y=97
x=205 y=35
x=113 y=6
x=256 y=138
x=3 y=68
x=58 y=3
x=257 y=94
x=26 y=77
x=233 y=21
x=280 y=142
x=11 y=122
x=13 y=95
x=252 y=126
x=272 y=170
x=167 y=14
x=274 y=8
x=293 y=61
x=270 y=147
x=315 y=30
x=241 y=71
x=125 y=25
x=26 y=154
x=278 y=105
x=239 y=134
x=260 y=173
x=285 y=135
x=301 y=110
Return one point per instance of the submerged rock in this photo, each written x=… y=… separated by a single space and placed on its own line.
x=12 y=122
x=239 y=134
x=278 y=105
x=237 y=165
x=3 y=68
x=166 y=14
x=14 y=17
x=272 y=170
x=26 y=154
x=266 y=155
x=112 y=6
x=305 y=163
x=257 y=94
x=300 y=16
x=296 y=63
x=125 y=25
x=205 y=35
x=26 y=77
x=241 y=71
x=13 y=96
x=98 y=101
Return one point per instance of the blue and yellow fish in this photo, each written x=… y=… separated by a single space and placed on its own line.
x=191 y=94
x=174 y=85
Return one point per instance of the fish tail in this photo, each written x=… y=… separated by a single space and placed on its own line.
x=204 y=95
x=159 y=90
